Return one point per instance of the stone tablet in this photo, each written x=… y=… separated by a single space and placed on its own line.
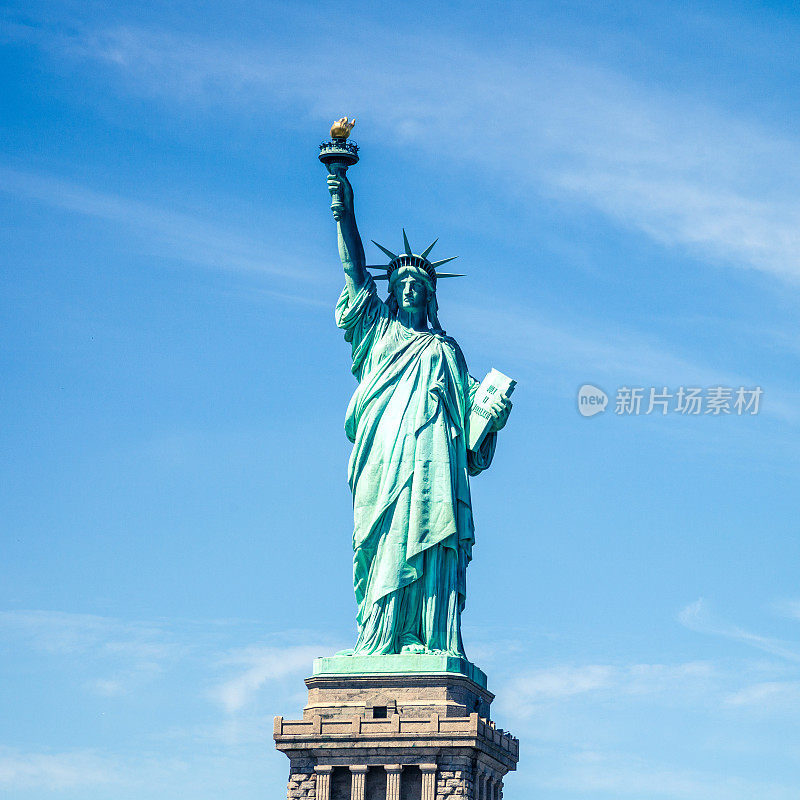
x=494 y=384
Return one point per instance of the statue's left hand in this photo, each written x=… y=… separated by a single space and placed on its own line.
x=500 y=409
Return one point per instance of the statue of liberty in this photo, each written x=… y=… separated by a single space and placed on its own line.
x=409 y=468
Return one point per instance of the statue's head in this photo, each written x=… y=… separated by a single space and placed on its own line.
x=412 y=281
x=411 y=288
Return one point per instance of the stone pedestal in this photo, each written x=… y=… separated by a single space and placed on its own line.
x=416 y=736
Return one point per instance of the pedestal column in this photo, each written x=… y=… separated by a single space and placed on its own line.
x=323 y=782
x=393 y=781
x=358 y=776
x=480 y=784
x=428 y=781
x=498 y=789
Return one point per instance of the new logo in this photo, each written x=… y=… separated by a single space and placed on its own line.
x=591 y=400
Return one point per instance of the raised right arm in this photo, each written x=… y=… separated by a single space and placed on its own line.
x=351 y=249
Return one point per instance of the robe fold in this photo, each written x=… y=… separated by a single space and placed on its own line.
x=413 y=531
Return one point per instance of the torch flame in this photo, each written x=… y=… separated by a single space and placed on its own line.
x=341 y=128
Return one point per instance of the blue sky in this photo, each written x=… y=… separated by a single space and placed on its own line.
x=620 y=183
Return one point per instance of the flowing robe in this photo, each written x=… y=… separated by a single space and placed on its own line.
x=408 y=472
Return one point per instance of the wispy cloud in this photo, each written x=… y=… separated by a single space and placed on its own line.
x=614 y=355
x=522 y=695
x=195 y=240
x=102 y=773
x=697 y=617
x=123 y=655
x=596 y=350
x=586 y=722
x=256 y=666
x=599 y=352
x=665 y=164
x=789 y=608
x=557 y=683
x=56 y=771
x=600 y=774
x=63 y=632
x=767 y=694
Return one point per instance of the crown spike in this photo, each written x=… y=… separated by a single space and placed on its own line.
x=435 y=264
x=427 y=250
x=389 y=253
x=450 y=275
x=406 y=244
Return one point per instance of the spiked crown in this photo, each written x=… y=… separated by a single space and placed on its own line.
x=408 y=259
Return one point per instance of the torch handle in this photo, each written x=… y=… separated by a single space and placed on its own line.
x=340 y=171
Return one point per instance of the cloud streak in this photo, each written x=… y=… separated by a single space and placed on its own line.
x=259 y=666
x=66 y=633
x=668 y=165
x=767 y=694
x=198 y=241
x=126 y=654
x=613 y=775
x=56 y=771
x=697 y=617
x=194 y=240
x=529 y=690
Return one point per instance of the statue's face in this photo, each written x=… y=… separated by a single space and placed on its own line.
x=410 y=292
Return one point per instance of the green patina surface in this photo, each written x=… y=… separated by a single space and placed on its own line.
x=409 y=471
x=410 y=466
x=402 y=664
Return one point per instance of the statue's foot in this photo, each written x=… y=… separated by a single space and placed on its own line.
x=344 y=652
x=413 y=647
